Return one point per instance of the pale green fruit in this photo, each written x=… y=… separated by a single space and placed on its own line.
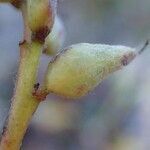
x=40 y=15
x=55 y=39
x=81 y=67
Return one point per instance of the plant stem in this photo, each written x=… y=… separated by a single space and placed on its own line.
x=23 y=104
x=27 y=96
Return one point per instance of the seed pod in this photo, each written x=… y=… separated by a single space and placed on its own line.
x=40 y=17
x=81 y=67
x=55 y=39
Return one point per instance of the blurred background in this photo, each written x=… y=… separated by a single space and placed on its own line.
x=115 y=116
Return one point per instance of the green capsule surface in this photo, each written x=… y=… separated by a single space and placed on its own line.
x=55 y=39
x=40 y=14
x=81 y=67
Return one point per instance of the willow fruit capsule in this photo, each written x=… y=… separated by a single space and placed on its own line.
x=81 y=67
x=40 y=17
x=55 y=39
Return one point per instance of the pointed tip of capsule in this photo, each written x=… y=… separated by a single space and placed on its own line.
x=127 y=58
x=146 y=44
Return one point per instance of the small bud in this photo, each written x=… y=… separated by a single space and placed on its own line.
x=81 y=67
x=55 y=39
x=40 y=17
